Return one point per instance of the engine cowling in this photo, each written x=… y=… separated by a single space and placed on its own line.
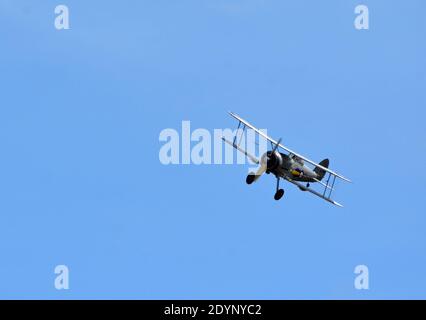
x=273 y=160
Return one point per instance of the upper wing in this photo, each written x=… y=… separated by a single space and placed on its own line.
x=287 y=149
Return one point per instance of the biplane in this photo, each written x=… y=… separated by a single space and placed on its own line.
x=288 y=165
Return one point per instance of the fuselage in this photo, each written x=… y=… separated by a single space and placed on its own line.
x=283 y=165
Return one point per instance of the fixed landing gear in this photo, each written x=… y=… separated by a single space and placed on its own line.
x=280 y=192
x=250 y=178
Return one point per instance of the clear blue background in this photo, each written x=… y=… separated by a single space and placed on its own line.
x=81 y=183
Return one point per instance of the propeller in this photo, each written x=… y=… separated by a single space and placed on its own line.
x=264 y=163
x=276 y=145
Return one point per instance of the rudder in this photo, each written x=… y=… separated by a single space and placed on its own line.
x=320 y=172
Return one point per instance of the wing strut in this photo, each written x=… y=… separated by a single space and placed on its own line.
x=238 y=146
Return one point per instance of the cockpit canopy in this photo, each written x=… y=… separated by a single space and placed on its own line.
x=297 y=159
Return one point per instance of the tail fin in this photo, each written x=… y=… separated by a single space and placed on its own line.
x=320 y=172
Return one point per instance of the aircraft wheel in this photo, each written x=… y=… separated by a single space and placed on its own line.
x=278 y=195
x=250 y=178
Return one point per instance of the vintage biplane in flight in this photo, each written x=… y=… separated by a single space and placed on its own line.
x=289 y=166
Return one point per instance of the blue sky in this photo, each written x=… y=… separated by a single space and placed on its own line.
x=81 y=183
